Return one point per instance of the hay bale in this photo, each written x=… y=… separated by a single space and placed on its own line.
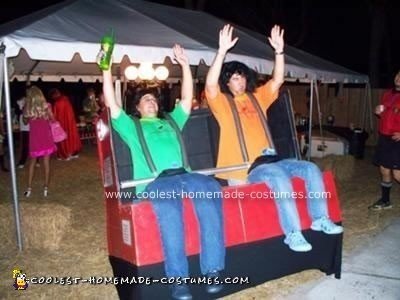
x=342 y=166
x=43 y=225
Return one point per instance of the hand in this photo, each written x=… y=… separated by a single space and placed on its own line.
x=99 y=58
x=396 y=136
x=379 y=109
x=179 y=55
x=276 y=39
x=225 y=39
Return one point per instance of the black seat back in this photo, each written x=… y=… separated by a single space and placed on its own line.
x=124 y=163
x=201 y=137
x=281 y=122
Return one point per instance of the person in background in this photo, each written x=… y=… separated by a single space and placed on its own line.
x=387 y=155
x=63 y=113
x=90 y=105
x=2 y=134
x=24 y=134
x=236 y=80
x=38 y=114
x=102 y=104
x=165 y=151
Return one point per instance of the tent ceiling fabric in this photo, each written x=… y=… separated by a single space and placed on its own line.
x=65 y=40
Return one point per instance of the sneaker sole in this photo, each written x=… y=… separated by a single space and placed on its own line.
x=375 y=208
x=380 y=208
x=305 y=249
x=301 y=250
x=333 y=232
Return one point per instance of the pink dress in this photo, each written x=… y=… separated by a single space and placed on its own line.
x=40 y=139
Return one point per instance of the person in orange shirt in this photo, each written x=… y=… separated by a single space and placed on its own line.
x=235 y=80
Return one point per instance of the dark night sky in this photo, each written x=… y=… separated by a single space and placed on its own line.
x=335 y=30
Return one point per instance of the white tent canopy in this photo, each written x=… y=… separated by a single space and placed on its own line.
x=63 y=40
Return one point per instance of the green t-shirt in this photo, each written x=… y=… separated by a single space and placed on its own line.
x=161 y=139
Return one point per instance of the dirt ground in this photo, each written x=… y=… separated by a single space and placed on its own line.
x=76 y=197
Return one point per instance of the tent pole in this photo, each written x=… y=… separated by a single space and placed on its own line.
x=124 y=89
x=310 y=120
x=11 y=148
x=363 y=112
x=319 y=117
x=370 y=112
x=367 y=109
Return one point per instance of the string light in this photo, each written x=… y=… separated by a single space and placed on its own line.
x=146 y=72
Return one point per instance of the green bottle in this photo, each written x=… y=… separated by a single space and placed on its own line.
x=107 y=47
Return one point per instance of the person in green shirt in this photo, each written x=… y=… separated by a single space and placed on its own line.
x=166 y=192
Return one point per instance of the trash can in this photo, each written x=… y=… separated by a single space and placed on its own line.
x=357 y=143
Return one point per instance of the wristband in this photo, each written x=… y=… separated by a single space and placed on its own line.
x=279 y=53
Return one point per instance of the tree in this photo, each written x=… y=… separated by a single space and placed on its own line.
x=195 y=5
x=377 y=35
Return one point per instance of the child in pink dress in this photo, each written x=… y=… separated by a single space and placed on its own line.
x=38 y=113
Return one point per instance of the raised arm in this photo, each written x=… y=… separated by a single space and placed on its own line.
x=109 y=94
x=277 y=42
x=26 y=110
x=187 y=81
x=50 y=112
x=225 y=43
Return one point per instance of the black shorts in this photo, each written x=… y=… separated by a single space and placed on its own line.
x=387 y=153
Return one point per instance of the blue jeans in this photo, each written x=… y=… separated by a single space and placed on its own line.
x=278 y=175
x=166 y=196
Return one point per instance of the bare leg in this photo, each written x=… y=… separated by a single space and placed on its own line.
x=46 y=162
x=31 y=172
x=386 y=174
x=32 y=161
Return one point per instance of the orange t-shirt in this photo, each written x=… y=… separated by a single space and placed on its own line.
x=229 y=153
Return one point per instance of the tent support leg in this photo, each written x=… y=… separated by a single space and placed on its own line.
x=310 y=120
x=319 y=116
x=369 y=111
x=11 y=147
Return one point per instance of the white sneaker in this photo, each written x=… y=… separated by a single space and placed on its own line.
x=325 y=225
x=297 y=242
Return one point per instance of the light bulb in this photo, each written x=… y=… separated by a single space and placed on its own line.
x=131 y=73
x=162 y=73
x=146 y=71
